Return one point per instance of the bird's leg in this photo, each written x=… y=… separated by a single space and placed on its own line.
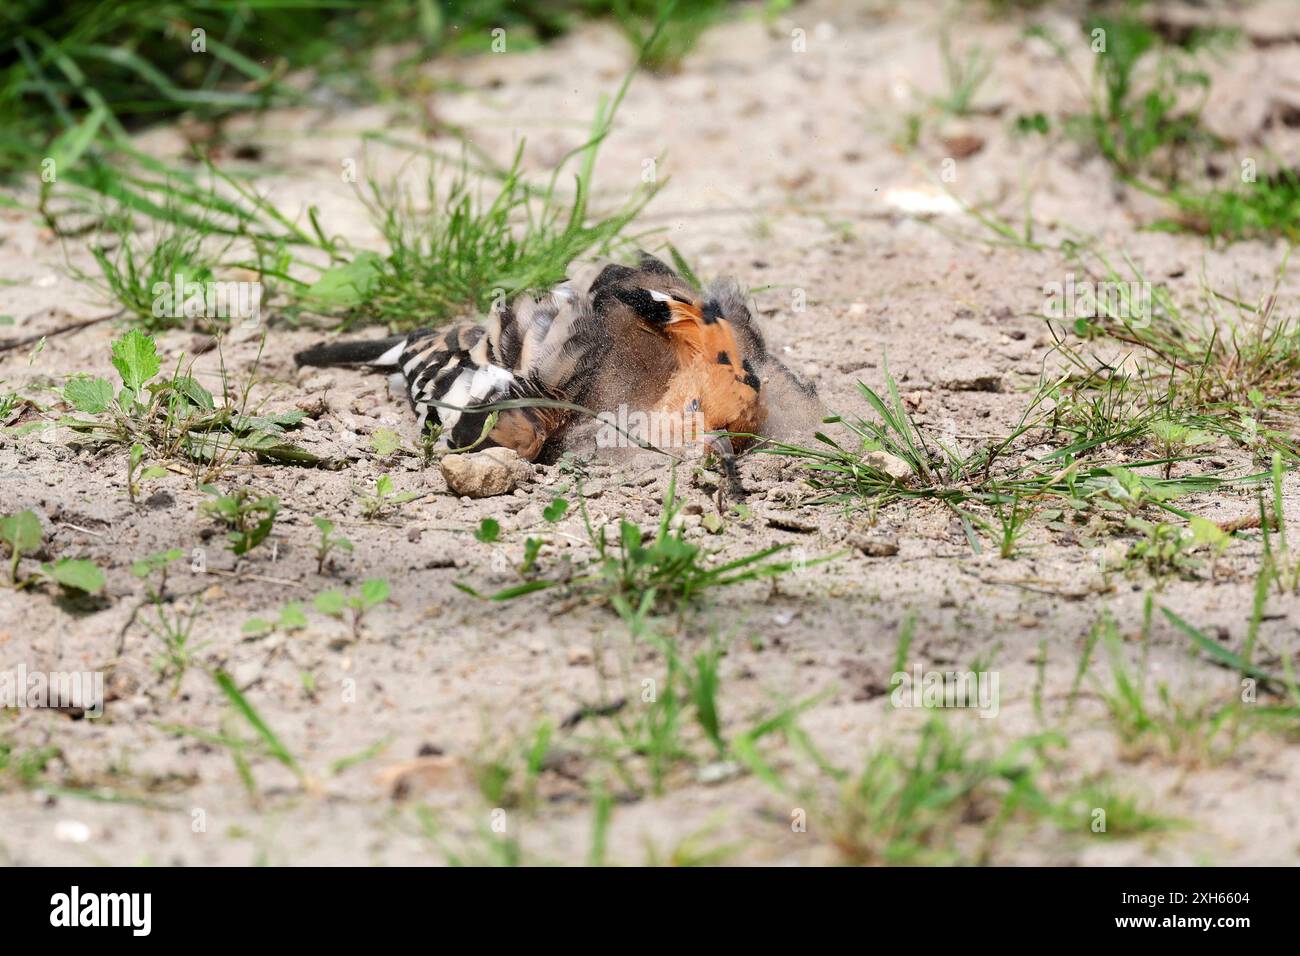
x=721 y=446
x=718 y=445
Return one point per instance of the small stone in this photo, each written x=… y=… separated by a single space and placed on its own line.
x=719 y=772
x=413 y=778
x=891 y=465
x=482 y=474
x=784 y=521
x=578 y=656
x=874 y=545
x=973 y=377
x=71 y=831
x=963 y=145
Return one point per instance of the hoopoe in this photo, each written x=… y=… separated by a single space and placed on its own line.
x=639 y=337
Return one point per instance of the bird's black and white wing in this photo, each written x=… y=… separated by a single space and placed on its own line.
x=543 y=347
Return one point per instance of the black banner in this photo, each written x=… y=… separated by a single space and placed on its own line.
x=341 y=905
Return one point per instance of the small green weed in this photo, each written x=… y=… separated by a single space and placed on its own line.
x=22 y=534
x=384 y=500
x=639 y=575
x=247 y=516
x=328 y=542
x=174 y=417
x=353 y=608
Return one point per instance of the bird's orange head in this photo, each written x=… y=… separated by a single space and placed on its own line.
x=714 y=376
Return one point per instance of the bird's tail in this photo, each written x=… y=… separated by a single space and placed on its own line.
x=374 y=352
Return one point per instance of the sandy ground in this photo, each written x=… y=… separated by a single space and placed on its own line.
x=780 y=166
